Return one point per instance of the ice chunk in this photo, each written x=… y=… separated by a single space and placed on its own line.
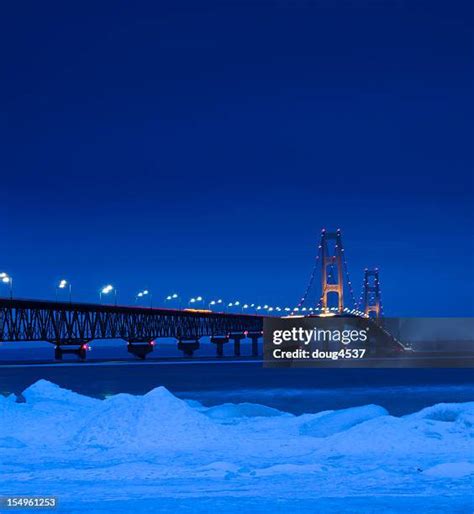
x=195 y=404
x=444 y=411
x=229 y=411
x=341 y=420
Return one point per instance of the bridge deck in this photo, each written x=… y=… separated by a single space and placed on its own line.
x=73 y=322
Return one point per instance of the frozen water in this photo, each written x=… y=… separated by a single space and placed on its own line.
x=157 y=453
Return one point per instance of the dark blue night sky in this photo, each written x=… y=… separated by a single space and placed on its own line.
x=200 y=147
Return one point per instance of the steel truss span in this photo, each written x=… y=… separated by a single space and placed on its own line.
x=65 y=323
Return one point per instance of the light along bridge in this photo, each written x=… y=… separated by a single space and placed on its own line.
x=70 y=326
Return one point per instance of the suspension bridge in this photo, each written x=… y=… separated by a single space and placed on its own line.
x=71 y=326
x=335 y=283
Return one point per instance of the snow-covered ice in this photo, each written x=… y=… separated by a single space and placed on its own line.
x=158 y=453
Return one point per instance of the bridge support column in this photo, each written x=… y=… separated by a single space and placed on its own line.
x=254 y=336
x=188 y=346
x=237 y=338
x=140 y=349
x=220 y=342
x=79 y=350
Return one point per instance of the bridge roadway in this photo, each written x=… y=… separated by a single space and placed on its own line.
x=70 y=326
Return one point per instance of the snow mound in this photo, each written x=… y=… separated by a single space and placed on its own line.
x=229 y=411
x=58 y=419
x=448 y=412
x=158 y=448
x=341 y=420
x=157 y=419
x=451 y=470
x=6 y=400
x=458 y=416
x=48 y=417
x=44 y=391
x=7 y=404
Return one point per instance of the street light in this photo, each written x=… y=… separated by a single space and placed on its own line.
x=172 y=297
x=197 y=299
x=144 y=293
x=63 y=284
x=106 y=290
x=233 y=304
x=215 y=302
x=7 y=279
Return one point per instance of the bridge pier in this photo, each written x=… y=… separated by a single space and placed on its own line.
x=79 y=349
x=220 y=341
x=188 y=346
x=254 y=336
x=140 y=349
x=237 y=338
x=69 y=326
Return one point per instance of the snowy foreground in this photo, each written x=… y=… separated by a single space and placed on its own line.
x=157 y=453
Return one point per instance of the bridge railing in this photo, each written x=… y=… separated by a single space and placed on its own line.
x=67 y=322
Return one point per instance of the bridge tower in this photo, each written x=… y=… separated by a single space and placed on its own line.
x=371 y=293
x=329 y=261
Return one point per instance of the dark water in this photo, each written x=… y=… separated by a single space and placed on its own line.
x=400 y=391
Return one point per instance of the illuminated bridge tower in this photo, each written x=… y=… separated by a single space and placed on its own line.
x=332 y=280
x=371 y=293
